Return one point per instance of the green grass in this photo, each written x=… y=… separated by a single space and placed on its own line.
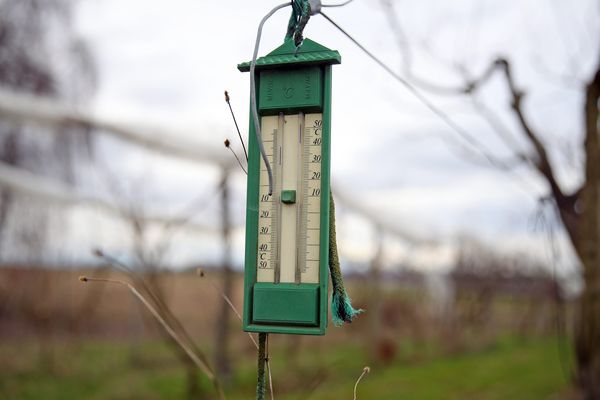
x=107 y=370
x=506 y=371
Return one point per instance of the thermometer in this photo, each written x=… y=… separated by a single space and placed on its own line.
x=287 y=231
x=289 y=219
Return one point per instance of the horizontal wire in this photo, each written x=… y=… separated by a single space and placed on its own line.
x=443 y=116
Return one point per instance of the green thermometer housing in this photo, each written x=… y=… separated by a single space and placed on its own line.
x=287 y=232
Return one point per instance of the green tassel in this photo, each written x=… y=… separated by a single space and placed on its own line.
x=341 y=307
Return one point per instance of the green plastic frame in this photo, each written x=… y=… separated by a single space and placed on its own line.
x=295 y=301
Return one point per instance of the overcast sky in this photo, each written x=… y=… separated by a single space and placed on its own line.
x=166 y=63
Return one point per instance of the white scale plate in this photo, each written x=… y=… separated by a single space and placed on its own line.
x=289 y=234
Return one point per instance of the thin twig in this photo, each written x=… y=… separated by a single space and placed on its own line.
x=158 y=302
x=366 y=370
x=228 y=145
x=199 y=363
x=236 y=124
x=201 y=274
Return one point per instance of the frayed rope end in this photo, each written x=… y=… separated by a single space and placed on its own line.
x=342 y=310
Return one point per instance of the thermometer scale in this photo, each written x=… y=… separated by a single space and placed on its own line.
x=287 y=231
x=289 y=219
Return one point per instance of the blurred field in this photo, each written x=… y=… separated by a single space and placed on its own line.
x=113 y=370
x=63 y=339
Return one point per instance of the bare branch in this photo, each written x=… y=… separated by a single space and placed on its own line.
x=542 y=162
x=406 y=53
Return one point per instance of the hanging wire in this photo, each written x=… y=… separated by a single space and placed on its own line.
x=442 y=115
x=345 y=3
x=257 y=130
x=315 y=9
x=489 y=157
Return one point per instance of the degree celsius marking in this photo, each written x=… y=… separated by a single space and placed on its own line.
x=311 y=199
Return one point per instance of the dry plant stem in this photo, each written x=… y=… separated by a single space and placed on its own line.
x=228 y=300
x=366 y=370
x=270 y=379
x=159 y=303
x=200 y=273
x=227 y=99
x=161 y=307
x=238 y=160
x=203 y=367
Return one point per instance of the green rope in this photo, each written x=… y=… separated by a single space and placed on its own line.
x=341 y=306
x=262 y=358
x=298 y=20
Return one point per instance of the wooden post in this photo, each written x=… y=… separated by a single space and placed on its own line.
x=222 y=362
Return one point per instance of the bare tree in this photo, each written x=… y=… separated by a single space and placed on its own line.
x=578 y=209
